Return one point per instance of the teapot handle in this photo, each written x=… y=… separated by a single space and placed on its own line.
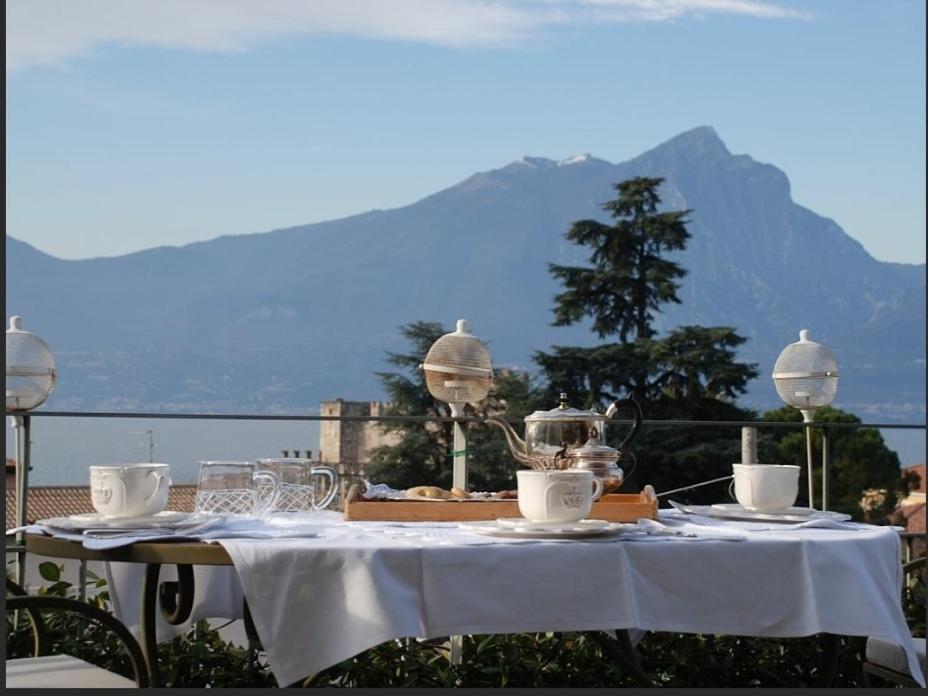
x=636 y=425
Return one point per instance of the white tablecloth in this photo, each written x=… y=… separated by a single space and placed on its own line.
x=316 y=602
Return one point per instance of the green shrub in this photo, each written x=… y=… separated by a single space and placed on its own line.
x=575 y=660
x=198 y=658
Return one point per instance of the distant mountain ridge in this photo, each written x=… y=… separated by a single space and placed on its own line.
x=278 y=321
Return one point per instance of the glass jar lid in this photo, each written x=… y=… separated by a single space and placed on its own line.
x=593 y=452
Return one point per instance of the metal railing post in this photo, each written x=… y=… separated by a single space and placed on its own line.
x=826 y=462
x=21 y=427
x=808 y=428
x=82 y=580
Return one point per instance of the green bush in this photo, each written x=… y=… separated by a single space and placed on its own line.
x=198 y=658
x=575 y=660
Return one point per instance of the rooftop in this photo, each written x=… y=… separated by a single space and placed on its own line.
x=61 y=501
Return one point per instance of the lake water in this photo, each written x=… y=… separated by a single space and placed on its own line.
x=63 y=448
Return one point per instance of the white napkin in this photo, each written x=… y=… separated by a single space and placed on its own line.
x=209 y=537
x=221 y=528
x=677 y=516
x=448 y=534
x=688 y=531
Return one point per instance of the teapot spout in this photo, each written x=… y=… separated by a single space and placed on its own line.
x=516 y=443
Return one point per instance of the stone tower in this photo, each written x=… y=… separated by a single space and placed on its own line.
x=346 y=445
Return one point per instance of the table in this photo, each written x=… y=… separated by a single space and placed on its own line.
x=315 y=602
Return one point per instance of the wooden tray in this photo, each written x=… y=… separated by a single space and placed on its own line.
x=616 y=507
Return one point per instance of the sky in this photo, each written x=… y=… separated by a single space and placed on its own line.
x=140 y=123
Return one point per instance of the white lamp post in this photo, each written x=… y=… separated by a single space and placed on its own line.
x=30 y=378
x=806 y=377
x=458 y=371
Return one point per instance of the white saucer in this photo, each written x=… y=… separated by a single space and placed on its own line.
x=95 y=520
x=520 y=528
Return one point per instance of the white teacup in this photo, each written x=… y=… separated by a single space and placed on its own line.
x=130 y=490
x=557 y=496
x=766 y=487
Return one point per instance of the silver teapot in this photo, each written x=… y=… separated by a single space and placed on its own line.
x=566 y=437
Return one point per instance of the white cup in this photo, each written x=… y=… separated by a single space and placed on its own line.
x=557 y=496
x=765 y=487
x=130 y=490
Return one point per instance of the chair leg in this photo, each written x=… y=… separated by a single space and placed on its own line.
x=889 y=675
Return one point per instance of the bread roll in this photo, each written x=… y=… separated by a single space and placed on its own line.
x=428 y=492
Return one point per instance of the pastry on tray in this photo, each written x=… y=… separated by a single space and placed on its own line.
x=455 y=494
x=431 y=492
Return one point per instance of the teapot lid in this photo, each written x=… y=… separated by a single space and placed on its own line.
x=564 y=413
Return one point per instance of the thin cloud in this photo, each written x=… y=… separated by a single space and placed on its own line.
x=668 y=10
x=50 y=32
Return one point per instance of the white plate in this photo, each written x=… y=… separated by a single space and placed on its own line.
x=575 y=530
x=94 y=520
x=792 y=515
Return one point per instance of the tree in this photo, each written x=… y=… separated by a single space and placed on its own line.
x=860 y=462
x=423 y=454
x=627 y=282
x=629 y=279
x=692 y=372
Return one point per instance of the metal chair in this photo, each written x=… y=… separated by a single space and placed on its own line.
x=64 y=671
x=887 y=660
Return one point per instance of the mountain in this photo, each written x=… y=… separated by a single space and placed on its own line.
x=281 y=320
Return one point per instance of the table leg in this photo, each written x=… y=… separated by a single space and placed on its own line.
x=177 y=597
x=831 y=653
x=254 y=640
x=147 y=622
x=623 y=652
x=176 y=602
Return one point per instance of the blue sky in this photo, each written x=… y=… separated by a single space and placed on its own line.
x=138 y=123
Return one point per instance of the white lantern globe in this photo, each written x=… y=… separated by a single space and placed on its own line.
x=806 y=375
x=458 y=368
x=30 y=368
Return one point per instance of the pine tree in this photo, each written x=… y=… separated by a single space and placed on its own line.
x=627 y=282
x=629 y=279
x=692 y=372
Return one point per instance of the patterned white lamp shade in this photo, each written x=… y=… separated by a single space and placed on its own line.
x=30 y=368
